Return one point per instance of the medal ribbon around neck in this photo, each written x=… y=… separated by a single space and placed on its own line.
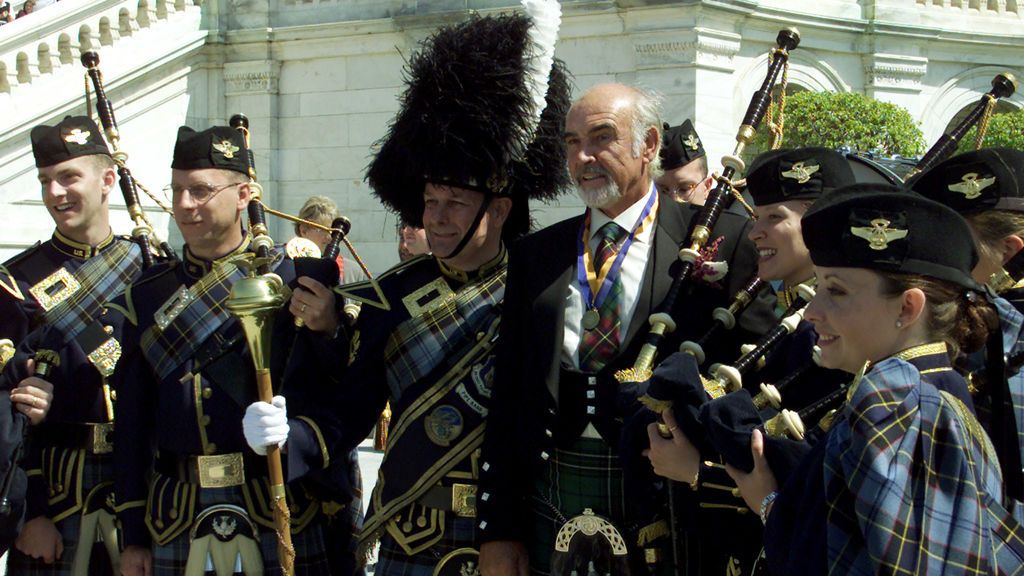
x=601 y=281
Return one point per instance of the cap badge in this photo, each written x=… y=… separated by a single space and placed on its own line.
x=692 y=142
x=878 y=234
x=971 y=186
x=78 y=136
x=226 y=148
x=801 y=173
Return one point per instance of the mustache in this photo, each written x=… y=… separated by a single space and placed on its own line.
x=592 y=170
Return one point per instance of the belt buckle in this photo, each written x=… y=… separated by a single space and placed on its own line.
x=464 y=500
x=101 y=438
x=221 y=470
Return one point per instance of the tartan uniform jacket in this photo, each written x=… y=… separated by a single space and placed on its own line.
x=429 y=354
x=528 y=415
x=906 y=482
x=190 y=414
x=78 y=394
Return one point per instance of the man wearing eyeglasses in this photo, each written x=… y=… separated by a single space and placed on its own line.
x=191 y=476
x=684 y=165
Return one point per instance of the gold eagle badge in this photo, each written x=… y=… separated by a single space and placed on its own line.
x=226 y=148
x=878 y=234
x=77 y=136
x=971 y=185
x=801 y=173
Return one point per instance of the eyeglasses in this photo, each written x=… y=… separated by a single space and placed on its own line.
x=200 y=193
x=676 y=190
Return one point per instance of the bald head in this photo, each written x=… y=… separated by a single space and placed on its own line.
x=613 y=138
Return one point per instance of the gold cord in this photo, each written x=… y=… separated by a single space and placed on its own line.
x=986 y=115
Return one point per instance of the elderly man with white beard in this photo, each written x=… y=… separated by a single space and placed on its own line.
x=576 y=307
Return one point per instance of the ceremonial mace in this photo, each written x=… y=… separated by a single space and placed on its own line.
x=254 y=300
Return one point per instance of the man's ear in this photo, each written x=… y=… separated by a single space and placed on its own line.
x=244 y=195
x=500 y=208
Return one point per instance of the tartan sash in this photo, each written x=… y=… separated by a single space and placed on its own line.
x=418 y=345
x=101 y=278
x=168 y=348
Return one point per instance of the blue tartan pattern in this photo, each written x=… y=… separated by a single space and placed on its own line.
x=913 y=485
x=310 y=548
x=418 y=345
x=1011 y=322
x=393 y=561
x=97 y=469
x=101 y=278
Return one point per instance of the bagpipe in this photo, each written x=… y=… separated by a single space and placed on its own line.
x=662 y=321
x=143 y=232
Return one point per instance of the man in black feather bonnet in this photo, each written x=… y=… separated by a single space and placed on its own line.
x=478 y=135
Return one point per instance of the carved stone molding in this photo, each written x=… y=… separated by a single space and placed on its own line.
x=895 y=73
x=701 y=47
x=257 y=77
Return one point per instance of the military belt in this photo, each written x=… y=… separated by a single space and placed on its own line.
x=211 y=471
x=93 y=437
x=459 y=499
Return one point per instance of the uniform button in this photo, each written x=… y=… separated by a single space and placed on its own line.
x=548 y=433
x=207 y=392
x=551 y=411
x=109 y=330
x=591 y=394
x=483 y=524
x=591 y=410
x=211 y=448
x=205 y=420
x=173 y=514
x=159 y=523
x=592 y=380
x=59 y=488
x=113 y=395
x=52 y=492
x=486 y=466
x=544 y=456
x=485 y=496
x=480 y=335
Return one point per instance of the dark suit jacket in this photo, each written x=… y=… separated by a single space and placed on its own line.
x=527 y=417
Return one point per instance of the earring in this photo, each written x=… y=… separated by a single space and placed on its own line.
x=899 y=323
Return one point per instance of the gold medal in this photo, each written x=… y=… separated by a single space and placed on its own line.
x=591 y=318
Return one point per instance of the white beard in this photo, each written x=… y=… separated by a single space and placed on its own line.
x=601 y=197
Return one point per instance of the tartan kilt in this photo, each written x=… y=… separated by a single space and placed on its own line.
x=95 y=470
x=393 y=561
x=586 y=475
x=310 y=549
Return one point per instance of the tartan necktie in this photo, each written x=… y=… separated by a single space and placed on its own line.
x=599 y=345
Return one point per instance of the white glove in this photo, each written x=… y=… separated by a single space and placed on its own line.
x=266 y=425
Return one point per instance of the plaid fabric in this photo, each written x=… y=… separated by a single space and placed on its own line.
x=340 y=529
x=1011 y=322
x=912 y=484
x=418 y=345
x=393 y=561
x=587 y=475
x=169 y=348
x=101 y=278
x=95 y=471
x=600 y=344
x=310 y=547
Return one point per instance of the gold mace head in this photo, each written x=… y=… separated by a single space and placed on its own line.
x=254 y=300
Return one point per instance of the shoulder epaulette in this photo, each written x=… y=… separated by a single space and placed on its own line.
x=370 y=292
x=7 y=280
x=17 y=258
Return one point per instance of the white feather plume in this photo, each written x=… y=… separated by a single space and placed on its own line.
x=547 y=17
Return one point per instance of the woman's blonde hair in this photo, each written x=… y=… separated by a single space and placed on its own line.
x=319 y=209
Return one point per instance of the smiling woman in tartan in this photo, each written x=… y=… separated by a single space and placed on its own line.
x=906 y=481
